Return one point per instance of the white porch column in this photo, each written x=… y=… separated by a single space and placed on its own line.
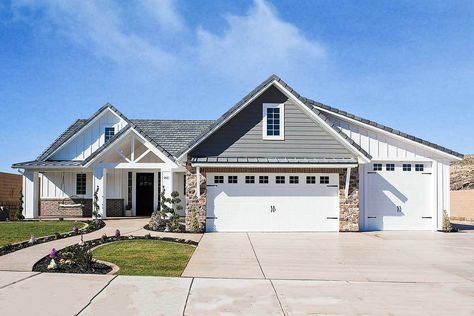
x=30 y=194
x=167 y=181
x=100 y=180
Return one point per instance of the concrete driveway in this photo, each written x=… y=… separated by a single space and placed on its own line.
x=388 y=273
x=358 y=257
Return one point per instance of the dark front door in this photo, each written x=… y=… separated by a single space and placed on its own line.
x=144 y=194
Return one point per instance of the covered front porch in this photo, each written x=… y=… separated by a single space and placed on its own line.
x=126 y=179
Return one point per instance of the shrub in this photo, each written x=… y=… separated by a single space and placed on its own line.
x=83 y=258
x=447 y=226
x=104 y=238
x=19 y=211
x=57 y=235
x=75 y=229
x=117 y=233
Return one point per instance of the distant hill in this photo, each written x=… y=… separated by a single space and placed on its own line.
x=462 y=174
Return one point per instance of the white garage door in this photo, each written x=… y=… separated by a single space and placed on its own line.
x=272 y=202
x=399 y=196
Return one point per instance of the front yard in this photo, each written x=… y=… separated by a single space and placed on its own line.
x=146 y=257
x=12 y=232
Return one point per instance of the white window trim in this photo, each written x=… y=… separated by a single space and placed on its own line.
x=280 y=106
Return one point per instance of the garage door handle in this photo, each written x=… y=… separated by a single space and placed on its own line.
x=211 y=217
x=371 y=216
x=329 y=217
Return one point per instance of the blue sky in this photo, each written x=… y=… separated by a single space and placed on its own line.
x=406 y=64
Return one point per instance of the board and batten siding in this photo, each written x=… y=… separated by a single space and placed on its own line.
x=241 y=136
x=56 y=185
x=87 y=141
x=383 y=147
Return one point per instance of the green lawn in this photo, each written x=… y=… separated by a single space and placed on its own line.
x=146 y=257
x=11 y=232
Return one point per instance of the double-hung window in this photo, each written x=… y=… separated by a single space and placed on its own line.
x=81 y=184
x=273 y=121
x=109 y=133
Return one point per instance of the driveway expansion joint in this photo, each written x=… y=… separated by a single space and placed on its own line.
x=18 y=281
x=93 y=297
x=256 y=257
x=187 y=297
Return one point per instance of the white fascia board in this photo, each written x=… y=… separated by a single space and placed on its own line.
x=256 y=95
x=323 y=124
x=149 y=145
x=49 y=168
x=387 y=133
x=84 y=127
x=269 y=165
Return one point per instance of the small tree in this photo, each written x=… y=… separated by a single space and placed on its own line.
x=19 y=210
x=96 y=206
x=169 y=208
x=447 y=227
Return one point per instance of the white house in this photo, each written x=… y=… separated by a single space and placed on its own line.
x=276 y=161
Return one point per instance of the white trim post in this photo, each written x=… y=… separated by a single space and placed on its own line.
x=167 y=181
x=198 y=181
x=100 y=180
x=30 y=194
x=348 y=179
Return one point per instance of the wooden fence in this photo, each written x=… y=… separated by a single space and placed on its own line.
x=462 y=205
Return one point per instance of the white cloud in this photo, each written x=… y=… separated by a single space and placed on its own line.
x=165 y=13
x=257 y=43
x=98 y=26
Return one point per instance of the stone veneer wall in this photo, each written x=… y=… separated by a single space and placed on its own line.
x=349 y=207
x=195 y=206
x=115 y=207
x=49 y=207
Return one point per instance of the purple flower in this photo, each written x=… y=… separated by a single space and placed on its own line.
x=99 y=222
x=75 y=230
x=53 y=253
x=117 y=233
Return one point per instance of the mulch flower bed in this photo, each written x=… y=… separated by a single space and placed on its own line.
x=78 y=258
x=92 y=225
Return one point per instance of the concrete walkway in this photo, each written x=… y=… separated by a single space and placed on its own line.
x=23 y=293
x=23 y=260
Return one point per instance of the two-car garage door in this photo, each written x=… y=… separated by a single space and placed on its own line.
x=272 y=202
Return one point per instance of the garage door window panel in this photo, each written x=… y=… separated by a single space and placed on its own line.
x=280 y=179
x=249 y=179
x=377 y=167
x=218 y=179
x=294 y=179
x=310 y=179
x=420 y=167
x=324 y=180
x=390 y=167
x=232 y=179
x=406 y=167
x=263 y=179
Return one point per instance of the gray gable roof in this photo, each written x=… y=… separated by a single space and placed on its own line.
x=68 y=133
x=249 y=96
x=330 y=109
x=319 y=108
x=172 y=135
x=74 y=128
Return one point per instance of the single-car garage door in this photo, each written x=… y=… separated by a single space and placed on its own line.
x=272 y=202
x=399 y=196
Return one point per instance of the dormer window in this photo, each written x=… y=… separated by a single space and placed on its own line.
x=109 y=133
x=273 y=121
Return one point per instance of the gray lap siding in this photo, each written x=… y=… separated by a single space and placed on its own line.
x=241 y=136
